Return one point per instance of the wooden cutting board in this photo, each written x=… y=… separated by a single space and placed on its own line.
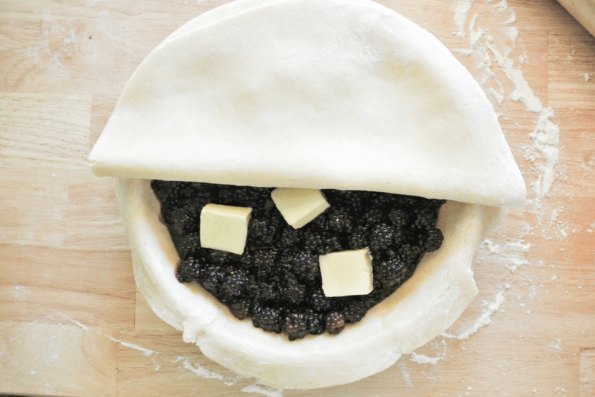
x=71 y=320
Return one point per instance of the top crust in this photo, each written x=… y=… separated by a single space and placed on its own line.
x=342 y=94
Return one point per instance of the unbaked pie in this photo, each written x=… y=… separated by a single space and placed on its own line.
x=324 y=94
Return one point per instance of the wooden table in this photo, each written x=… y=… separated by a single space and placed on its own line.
x=71 y=320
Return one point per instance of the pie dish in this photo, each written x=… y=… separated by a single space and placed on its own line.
x=342 y=94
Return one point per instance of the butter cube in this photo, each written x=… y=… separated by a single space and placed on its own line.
x=224 y=228
x=299 y=206
x=347 y=273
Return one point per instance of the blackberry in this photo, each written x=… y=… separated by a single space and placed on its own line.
x=172 y=193
x=334 y=323
x=264 y=263
x=331 y=244
x=220 y=257
x=409 y=254
x=188 y=245
x=373 y=297
x=267 y=291
x=298 y=324
x=285 y=262
x=261 y=232
x=190 y=270
x=305 y=267
x=398 y=217
x=225 y=196
x=251 y=196
x=380 y=237
x=291 y=290
x=315 y=322
x=212 y=277
x=399 y=237
x=424 y=220
x=289 y=237
x=318 y=223
x=354 y=310
x=390 y=273
x=339 y=220
x=267 y=318
x=389 y=255
x=381 y=201
x=359 y=238
x=352 y=201
x=240 y=309
x=313 y=243
x=432 y=241
x=185 y=219
x=245 y=260
x=233 y=284
x=319 y=301
x=371 y=217
x=295 y=326
x=161 y=189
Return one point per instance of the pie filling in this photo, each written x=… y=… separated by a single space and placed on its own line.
x=277 y=280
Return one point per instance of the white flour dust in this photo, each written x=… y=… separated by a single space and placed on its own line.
x=557 y=344
x=462 y=9
x=144 y=351
x=486 y=50
x=59 y=44
x=423 y=359
x=261 y=389
x=510 y=254
x=184 y=363
x=402 y=365
x=484 y=318
x=21 y=293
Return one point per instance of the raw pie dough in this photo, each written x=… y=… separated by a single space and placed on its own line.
x=343 y=94
x=319 y=94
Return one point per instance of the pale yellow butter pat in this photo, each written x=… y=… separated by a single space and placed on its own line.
x=224 y=228
x=299 y=206
x=347 y=273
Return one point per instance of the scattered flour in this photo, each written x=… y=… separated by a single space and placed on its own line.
x=462 y=9
x=84 y=327
x=402 y=365
x=556 y=345
x=483 y=319
x=511 y=253
x=501 y=6
x=201 y=371
x=544 y=152
x=261 y=389
x=46 y=16
x=91 y=3
x=146 y=352
x=586 y=76
x=21 y=293
x=423 y=359
x=186 y=363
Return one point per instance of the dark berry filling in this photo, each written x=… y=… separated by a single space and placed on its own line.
x=276 y=281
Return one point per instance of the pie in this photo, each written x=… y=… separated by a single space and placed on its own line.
x=339 y=94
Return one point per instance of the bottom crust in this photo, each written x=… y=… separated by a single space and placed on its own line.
x=421 y=309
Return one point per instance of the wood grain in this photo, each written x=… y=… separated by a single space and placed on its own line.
x=587 y=387
x=56 y=359
x=40 y=219
x=44 y=130
x=19 y=51
x=71 y=320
